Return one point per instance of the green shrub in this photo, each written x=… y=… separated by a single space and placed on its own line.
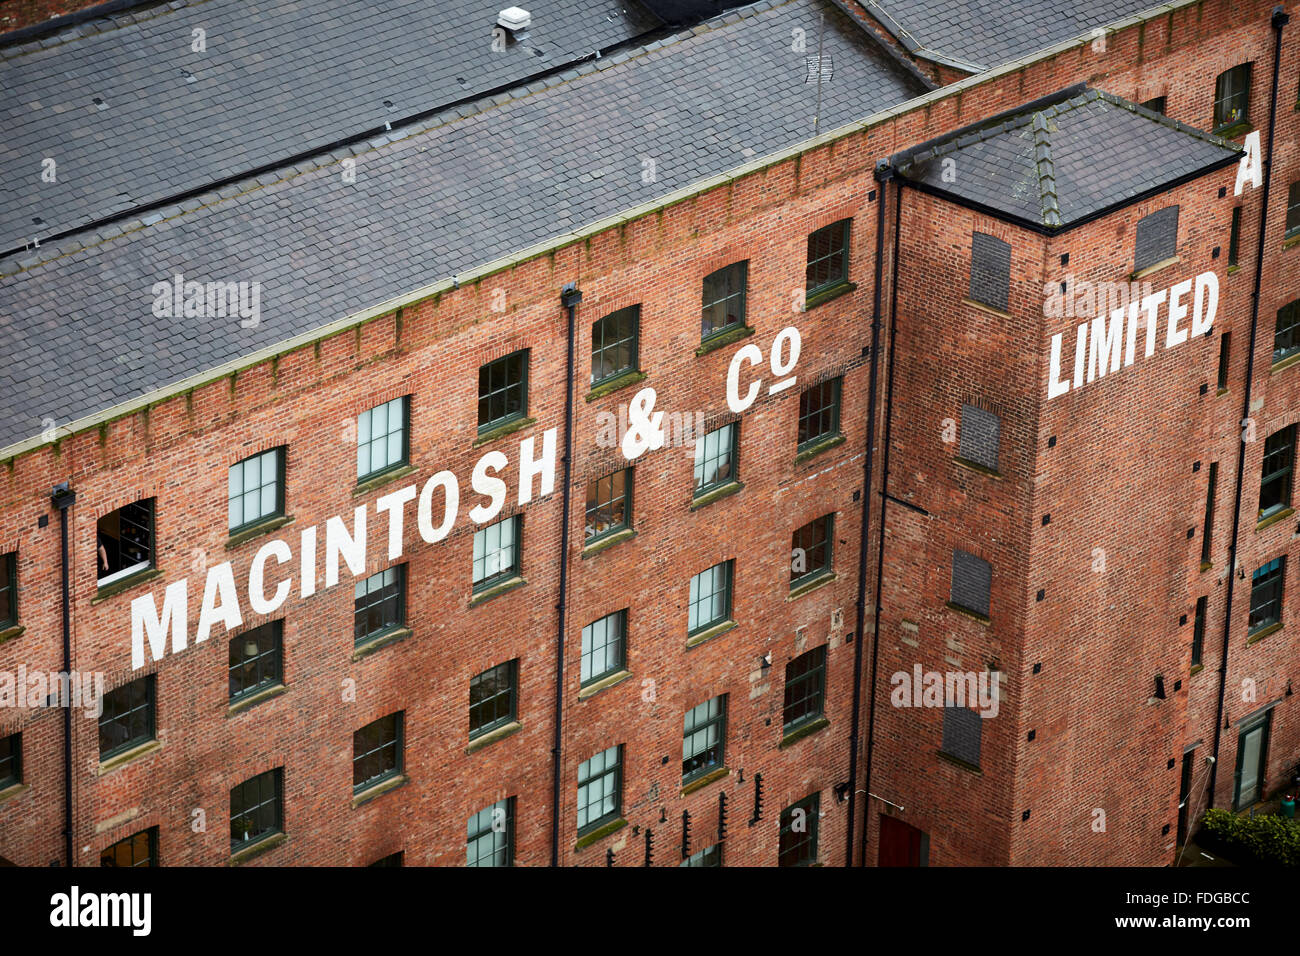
x=1268 y=840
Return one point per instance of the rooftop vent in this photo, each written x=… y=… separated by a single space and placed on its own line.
x=515 y=21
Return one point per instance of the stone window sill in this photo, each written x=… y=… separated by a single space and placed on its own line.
x=724 y=338
x=372 y=644
x=496 y=589
x=1284 y=363
x=1290 y=241
x=715 y=494
x=500 y=431
x=977 y=467
x=701 y=782
x=269 y=842
x=9 y=633
x=822 y=296
x=600 y=833
x=1196 y=669
x=244 y=703
x=600 y=544
x=124 y=584
x=967 y=612
x=1232 y=132
x=615 y=384
x=128 y=756
x=1274 y=518
x=709 y=634
x=821 y=580
x=1264 y=632
x=378 y=481
x=958 y=762
x=14 y=790
x=594 y=688
x=492 y=736
x=379 y=789
x=257 y=530
x=990 y=309
x=819 y=445
x=1153 y=268
x=802 y=731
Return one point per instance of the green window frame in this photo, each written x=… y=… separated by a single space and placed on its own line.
x=503 y=391
x=383 y=439
x=716 y=456
x=811 y=550
x=255 y=489
x=828 y=257
x=704 y=738
x=128 y=717
x=1231 y=98
x=256 y=809
x=379 y=604
x=1276 y=471
x=615 y=343
x=1286 y=335
x=805 y=689
x=11 y=760
x=710 y=598
x=609 y=505
x=377 y=751
x=139 y=849
x=256 y=660
x=496 y=552
x=493 y=698
x=723 y=300
x=1266 y=586
x=797 y=844
x=604 y=647
x=819 y=412
x=600 y=789
x=490 y=835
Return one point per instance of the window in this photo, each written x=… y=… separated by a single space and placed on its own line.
x=1252 y=759
x=139 y=849
x=496 y=552
x=600 y=789
x=393 y=859
x=980 y=432
x=8 y=590
x=256 y=660
x=256 y=487
x=1234 y=237
x=724 y=299
x=798 y=842
x=1157 y=238
x=805 y=689
x=492 y=698
x=1275 y=476
x=503 y=391
x=1207 y=533
x=709 y=856
x=128 y=717
x=1266 y=596
x=381 y=438
x=1231 y=97
x=11 y=761
x=1286 y=338
x=710 y=599
x=962 y=729
x=810 y=550
x=704 y=737
x=257 y=809
x=614 y=344
x=1198 y=630
x=604 y=647
x=990 y=271
x=715 y=458
x=377 y=752
x=819 y=412
x=828 y=257
x=609 y=504
x=1293 y=210
x=1156 y=105
x=380 y=604
x=490 y=835
x=1225 y=353
x=124 y=541
x=972 y=577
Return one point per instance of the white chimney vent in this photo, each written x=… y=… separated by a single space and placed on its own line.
x=514 y=19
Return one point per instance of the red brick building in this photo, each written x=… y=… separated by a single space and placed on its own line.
x=575 y=649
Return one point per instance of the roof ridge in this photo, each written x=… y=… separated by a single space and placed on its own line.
x=1045 y=167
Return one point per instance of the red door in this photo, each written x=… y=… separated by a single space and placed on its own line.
x=901 y=844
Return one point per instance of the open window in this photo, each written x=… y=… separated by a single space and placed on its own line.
x=125 y=541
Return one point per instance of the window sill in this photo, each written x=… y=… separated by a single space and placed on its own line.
x=802 y=731
x=823 y=296
x=492 y=736
x=9 y=633
x=702 y=782
x=594 y=688
x=269 y=842
x=114 y=588
x=266 y=693
x=1287 y=362
x=823 y=578
x=600 y=544
x=977 y=467
x=990 y=309
x=958 y=762
x=500 y=431
x=723 y=491
x=615 y=384
x=257 y=530
x=1264 y=632
x=1232 y=132
x=600 y=833
x=1290 y=241
x=1205 y=566
x=818 y=446
x=1196 y=669
x=724 y=338
x=1231 y=269
x=14 y=790
x=128 y=756
x=488 y=594
x=1274 y=518
x=1153 y=268
x=372 y=644
x=379 y=789
x=378 y=481
x=709 y=634
x=1221 y=391
x=967 y=612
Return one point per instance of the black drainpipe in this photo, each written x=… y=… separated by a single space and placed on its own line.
x=883 y=173
x=884 y=500
x=1279 y=20
x=62 y=497
x=569 y=299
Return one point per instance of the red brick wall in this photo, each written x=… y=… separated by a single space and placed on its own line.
x=16 y=14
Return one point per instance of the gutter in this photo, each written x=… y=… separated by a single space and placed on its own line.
x=62 y=498
x=1279 y=20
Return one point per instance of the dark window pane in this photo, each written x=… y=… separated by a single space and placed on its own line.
x=798 y=840
x=8 y=589
x=704 y=734
x=828 y=257
x=502 y=387
x=377 y=751
x=1231 y=97
x=256 y=808
x=1275 y=475
x=139 y=849
x=609 y=502
x=1286 y=337
x=492 y=698
x=805 y=688
x=380 y=603
x=810 y=550
x=819 y=411
x=11 y=760
x=1266 y=595
x=128 y=717
x=723 y=299
x=255 y=660
x=124 y=541
x=614 y=344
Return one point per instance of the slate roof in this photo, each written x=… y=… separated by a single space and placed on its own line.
x=1064 y=159
x=428 y=203
x=278 y=78
x=976 y=35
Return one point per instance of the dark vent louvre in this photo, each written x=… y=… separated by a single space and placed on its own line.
x=961 y=733
x=1157 y=237
x=971 y=579
x=990 y=270
x=979 y=436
